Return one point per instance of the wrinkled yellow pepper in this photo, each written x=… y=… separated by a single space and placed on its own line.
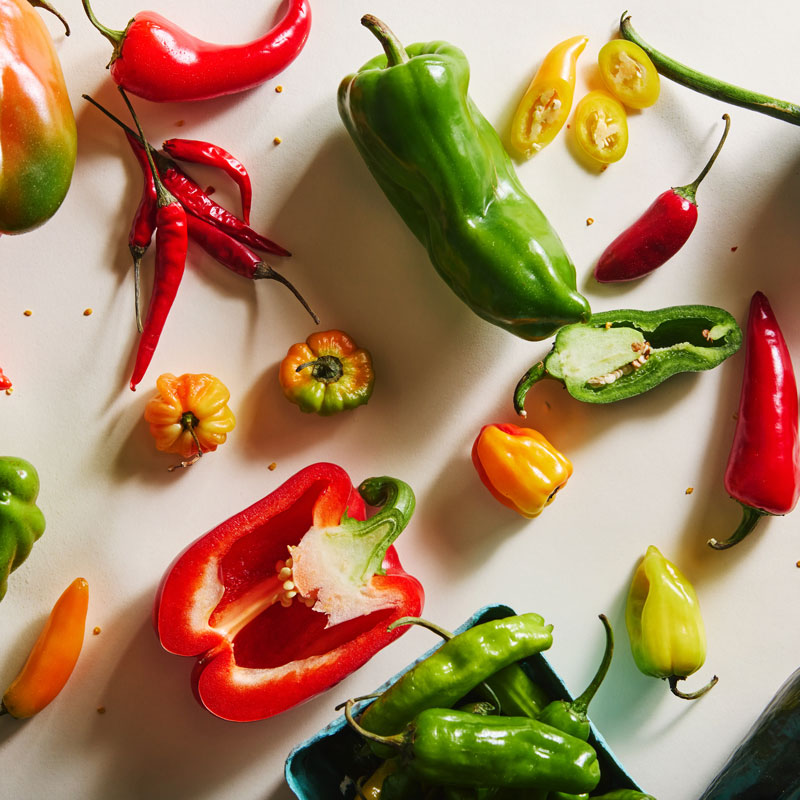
x=189 y=415
x=519 y=467
x=547 y=101
x=668 y=638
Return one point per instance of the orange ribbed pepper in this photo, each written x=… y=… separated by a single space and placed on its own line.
x=520 y=467
x=53 y=657
x=189 y=415
x=547 y=101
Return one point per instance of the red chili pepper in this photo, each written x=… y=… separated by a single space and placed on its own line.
x=171 y=245
x=159 y=61
x=291 y=595
x=237 y=257
x=213 y=155
x=5 y=383
x=763 y=472
x=658 y=234
x=143 y=225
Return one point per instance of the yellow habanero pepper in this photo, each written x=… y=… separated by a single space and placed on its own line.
x=189 y=415
x=668 y=638
x=547 y=101
x=519 y=467
x=53 y=657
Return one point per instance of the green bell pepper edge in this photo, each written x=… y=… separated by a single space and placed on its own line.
x=664 y=362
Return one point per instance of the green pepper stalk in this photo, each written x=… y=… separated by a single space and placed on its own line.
x=713 y=87
x=455 y=748
x=571 y=716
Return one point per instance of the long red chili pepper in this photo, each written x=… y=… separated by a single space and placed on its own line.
x=237 y=257
x=763 y=472
x=658 y=234
x=171 y=245
x=159 y=61
x=198 y=152
x=143 y=225
x=195 y=199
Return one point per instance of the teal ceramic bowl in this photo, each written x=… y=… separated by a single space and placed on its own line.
x=325 y=766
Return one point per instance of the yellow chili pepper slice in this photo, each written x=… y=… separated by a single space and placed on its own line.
x=601 y=127
x=547 y=101
x=53 y=657
x=629 y=74
x=520 y=467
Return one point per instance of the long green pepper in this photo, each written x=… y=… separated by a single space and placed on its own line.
x=444 y=169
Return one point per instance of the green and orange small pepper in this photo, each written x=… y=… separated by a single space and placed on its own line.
x=189 y=415
x=520 y=467
x=327 y=373
x=53 y=657
x=38 y=136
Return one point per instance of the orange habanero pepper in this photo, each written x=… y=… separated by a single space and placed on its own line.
x=519 y=467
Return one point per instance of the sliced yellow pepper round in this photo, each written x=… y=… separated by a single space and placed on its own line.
x=629 y=74
x=601 y=127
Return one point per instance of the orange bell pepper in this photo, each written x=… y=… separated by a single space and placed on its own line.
x=547 y=101
x=520 y=467
x=53 y=657
x=189 y=415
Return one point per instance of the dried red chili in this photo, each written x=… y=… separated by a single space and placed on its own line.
x=159 y=61
x=658 y=234
x=212 y=155
x=171 y=245
x=763 y=472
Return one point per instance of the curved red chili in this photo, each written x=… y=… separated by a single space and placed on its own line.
x=143 y=225
x=159 y=61
x=171 y=245
x=213 y=155
x=236 y=256
x=658 y=234
x=763 y=472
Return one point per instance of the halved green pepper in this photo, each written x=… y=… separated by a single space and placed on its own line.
x=444 y=169
x=619 y=354
x=21 y=521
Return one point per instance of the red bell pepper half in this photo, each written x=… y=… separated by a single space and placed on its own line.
x=288 y=597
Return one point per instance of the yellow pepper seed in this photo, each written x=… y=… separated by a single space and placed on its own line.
x=690 y=490
x=27 y=312
x=87 y=312
x=279 y=89
x=277 y=140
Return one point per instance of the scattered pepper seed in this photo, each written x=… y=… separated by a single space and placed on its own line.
x=272 y=466
x=607 y=325
x=277 y=140
x=734 y=249
x=87 y=312
x=10 y=390
x=210 y=190
x=101 y=709
x=589 y=220
x=96 y=630
x=27 y=312
x=279 y=89
x=690 y=489
x=797 y=564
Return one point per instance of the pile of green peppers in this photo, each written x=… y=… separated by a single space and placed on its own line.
x=469 y=723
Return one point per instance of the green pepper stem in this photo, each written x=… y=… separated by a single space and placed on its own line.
x=395 y=741
x=47 y=7
x=326 y=369
x=750 y=518
x=395 y=52
x=580 y=704
x=423 y=623
x=165 y=197
x=690 y=190
x=713 y=87
x=113 y=36
x=673 y=687
x=533 y=375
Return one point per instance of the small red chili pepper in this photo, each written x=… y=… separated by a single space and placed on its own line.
x=237 y=257
x=213 y=155
x=763 y=472
x=658 y=234
x=5 y=383
x=171 y=245
x=143 y=225
x=159 y=61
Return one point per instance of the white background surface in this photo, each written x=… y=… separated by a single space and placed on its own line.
x=117 y=517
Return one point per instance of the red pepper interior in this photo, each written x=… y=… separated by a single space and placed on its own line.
x=276 y=635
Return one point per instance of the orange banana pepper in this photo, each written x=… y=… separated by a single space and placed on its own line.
x=520 y=467
x=547 y=101
x=53 y=657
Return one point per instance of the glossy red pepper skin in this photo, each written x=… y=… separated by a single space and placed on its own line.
x=763 y=472
x=159 y=61
x=243 y=674
x=658 y=234
x=212 y=155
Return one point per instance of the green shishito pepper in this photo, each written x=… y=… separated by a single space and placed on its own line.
x=446 y=747
x=444 y=169
x=21 y=521
x=619 y=354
